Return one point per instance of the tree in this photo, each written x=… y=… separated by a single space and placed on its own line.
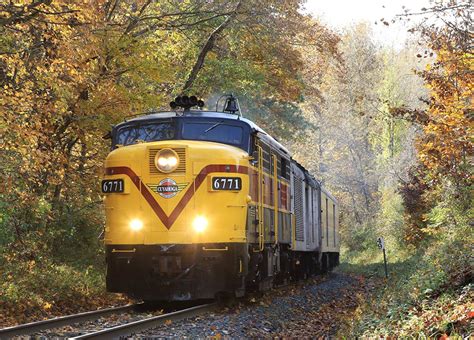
x=444 y=176
x=70 y=69
x=447 y=123
x=258 y=56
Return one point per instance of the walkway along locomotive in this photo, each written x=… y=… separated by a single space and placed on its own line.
x=201 y=203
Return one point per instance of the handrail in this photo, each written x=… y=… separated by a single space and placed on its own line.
x=293 y=234
x=275 y=196
x=215 y=249
x=261 y=191
x=124 y=250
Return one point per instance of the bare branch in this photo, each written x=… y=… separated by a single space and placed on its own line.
x=208 y=46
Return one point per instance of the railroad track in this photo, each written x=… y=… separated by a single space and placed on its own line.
x=106 y=333
x=144 y=324
x=33 y=327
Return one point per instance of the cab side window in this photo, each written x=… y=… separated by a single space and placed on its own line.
x=285 y=168
x=266 y=156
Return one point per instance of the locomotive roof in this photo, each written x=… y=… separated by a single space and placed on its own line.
x=208 y=114
x=214 y=114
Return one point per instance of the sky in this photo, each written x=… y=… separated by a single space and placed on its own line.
x=339 y=13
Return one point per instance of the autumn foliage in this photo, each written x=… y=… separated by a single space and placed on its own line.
x=401 y=166
x=71 y=69
x=430 y=293
x=445 y=145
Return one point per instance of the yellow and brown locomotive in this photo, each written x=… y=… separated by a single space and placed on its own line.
x=202 y=203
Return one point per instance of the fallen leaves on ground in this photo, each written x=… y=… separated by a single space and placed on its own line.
x=14 y=314
x=327 y=317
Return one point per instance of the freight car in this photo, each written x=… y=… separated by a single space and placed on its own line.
x=202 y=203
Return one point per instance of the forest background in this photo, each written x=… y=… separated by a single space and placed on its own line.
x=388 y=131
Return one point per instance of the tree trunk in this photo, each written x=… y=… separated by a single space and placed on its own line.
x=208 y=46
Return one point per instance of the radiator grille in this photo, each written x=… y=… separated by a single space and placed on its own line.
x=181 y=169
x=299 y=232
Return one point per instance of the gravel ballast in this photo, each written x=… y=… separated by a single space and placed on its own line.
x=301 y=309
x=312 y=308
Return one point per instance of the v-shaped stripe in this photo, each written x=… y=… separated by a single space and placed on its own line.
x=148 y=196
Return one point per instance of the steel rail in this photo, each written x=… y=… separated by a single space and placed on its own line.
x=33 y=327
x=140 y=325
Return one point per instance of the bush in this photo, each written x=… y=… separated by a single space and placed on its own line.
x=51 y=261
x=430 y=292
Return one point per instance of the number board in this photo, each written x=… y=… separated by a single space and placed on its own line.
x=112 y=185
x=227 y=183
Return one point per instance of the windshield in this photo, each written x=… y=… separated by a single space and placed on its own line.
x=146 y=133
x=213 y=131
x=225 y=131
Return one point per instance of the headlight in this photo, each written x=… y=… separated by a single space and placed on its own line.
x=200 y=224
x=136 y=224
x=166 y=160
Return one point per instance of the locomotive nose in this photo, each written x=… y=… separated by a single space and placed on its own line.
x=178 y=192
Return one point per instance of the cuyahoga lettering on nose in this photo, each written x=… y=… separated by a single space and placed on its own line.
x=167 y=187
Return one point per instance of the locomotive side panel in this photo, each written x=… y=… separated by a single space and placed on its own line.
x=270 y=195
x=324 y=222
x=330 y=223
x=307 y=217
x=316 y=211
x=299 y=209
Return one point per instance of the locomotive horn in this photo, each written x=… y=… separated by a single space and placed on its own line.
x=186 y=102
x=193 y=101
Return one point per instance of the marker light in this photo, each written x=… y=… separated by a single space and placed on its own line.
x=200 y=224
x=136 y=224
x=166 y=160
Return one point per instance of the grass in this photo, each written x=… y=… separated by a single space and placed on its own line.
x=428 y=293
x=43 y=287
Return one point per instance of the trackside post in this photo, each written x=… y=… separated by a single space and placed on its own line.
x=381 y=245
